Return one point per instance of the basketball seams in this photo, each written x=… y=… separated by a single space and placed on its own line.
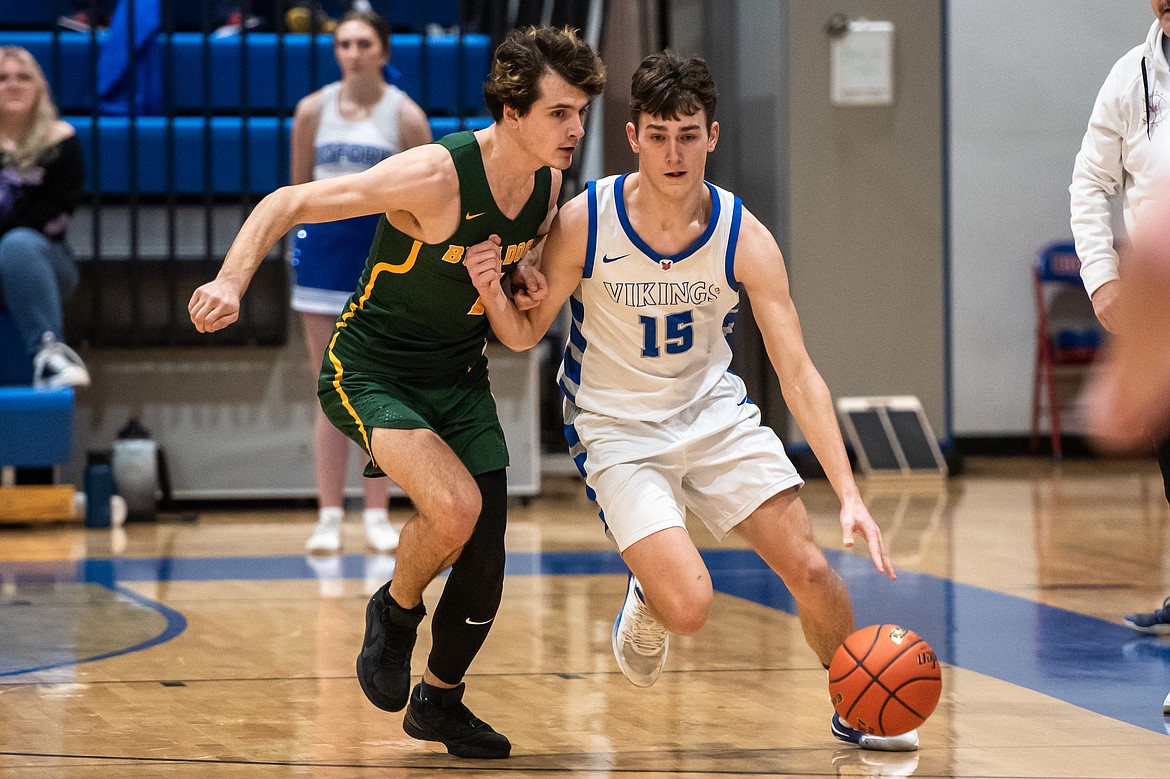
x=877 y=634
x=894 y=694
x=894 y=659
x=869 y=697
x=859 y=665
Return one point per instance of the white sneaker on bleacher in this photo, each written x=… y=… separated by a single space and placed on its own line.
x=56 y=365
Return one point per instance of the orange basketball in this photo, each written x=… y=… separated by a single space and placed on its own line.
x=884 y=680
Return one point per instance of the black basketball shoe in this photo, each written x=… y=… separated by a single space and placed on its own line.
x=383 y=667
x=439 y=715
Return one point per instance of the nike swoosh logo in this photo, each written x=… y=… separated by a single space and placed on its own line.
x=469 y=217
x=470 y=621
x=614 y=259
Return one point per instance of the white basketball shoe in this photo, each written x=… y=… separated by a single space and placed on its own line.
x=907 y=742
x=639 y=641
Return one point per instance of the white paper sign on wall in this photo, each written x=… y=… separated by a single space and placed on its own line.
x=862 y=64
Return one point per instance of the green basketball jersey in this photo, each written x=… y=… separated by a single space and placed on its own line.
x=415 y=314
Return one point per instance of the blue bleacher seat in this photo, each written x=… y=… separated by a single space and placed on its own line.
x=191 y=139
x=32 y=15
x=15 y=364
x=267 y=144
x=37 y=425
x=415 y=14
x=443 y=76
x=444 y=73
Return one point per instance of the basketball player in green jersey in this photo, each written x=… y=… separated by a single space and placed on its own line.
x=405 y=374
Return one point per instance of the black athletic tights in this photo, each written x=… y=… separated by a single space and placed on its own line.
x=464 y=616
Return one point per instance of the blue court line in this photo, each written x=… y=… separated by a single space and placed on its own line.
x=1088 y=662
x=101 y=572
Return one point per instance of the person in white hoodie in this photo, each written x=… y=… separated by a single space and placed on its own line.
x=1126 y=150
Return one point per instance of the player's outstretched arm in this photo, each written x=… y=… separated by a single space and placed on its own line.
x=415 y=182
x=759 y=266
x=561 y=263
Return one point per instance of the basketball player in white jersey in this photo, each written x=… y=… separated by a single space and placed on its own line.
x=654 y=261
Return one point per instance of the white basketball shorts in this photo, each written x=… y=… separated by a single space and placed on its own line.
x=713 y=457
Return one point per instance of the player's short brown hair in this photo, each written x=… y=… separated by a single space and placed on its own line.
x=667 y=85
x=526 y=55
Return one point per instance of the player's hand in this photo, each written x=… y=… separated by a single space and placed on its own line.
x=1105 y=305
x=214 y=306
x=529 y=287
x=855 y=519
x=483 y=264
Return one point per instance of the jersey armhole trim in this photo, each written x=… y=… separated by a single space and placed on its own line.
x=591 y=246
x=732 y=241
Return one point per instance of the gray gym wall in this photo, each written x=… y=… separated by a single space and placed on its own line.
x=1023 y=78
x=854 y=197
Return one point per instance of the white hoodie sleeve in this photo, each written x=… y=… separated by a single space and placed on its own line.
x=1098 y=175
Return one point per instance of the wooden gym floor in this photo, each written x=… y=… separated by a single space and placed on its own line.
x=216 y=648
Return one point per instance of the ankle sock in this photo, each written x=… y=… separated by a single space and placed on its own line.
x=330 y=514
x=371 y=515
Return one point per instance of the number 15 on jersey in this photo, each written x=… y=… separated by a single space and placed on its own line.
x=675 y=330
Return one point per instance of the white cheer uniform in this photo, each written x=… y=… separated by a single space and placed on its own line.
x=328 y=258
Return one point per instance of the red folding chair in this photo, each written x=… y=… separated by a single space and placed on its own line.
x=1057 y=266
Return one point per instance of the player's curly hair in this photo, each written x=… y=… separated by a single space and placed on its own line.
x=526 y=55
x=667 y=85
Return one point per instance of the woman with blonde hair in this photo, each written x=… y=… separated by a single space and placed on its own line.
x=41 y=177
x=345 y=127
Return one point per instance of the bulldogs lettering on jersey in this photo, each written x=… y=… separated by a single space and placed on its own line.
x=650 y=333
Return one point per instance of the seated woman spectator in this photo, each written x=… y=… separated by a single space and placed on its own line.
x=41 y=177
x=345 y=127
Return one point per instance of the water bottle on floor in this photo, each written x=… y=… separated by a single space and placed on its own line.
x=99 y=489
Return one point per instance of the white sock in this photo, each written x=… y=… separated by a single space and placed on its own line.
x=331 y=514
x=375 y=515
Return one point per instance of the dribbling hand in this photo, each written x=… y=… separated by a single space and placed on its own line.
x=855 y=518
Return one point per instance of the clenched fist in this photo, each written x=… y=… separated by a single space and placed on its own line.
x=214 y=306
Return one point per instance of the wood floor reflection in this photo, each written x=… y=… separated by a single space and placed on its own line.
x=254 y=676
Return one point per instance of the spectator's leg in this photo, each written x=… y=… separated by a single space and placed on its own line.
x=36 y=274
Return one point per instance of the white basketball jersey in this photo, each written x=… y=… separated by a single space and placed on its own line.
x=650 y=334
x=342 y=146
